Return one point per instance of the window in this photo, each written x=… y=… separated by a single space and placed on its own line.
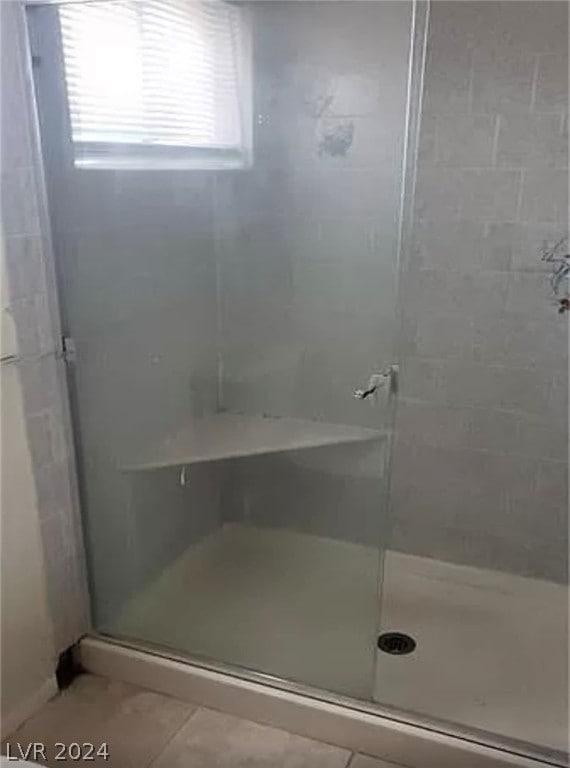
x=157 y=83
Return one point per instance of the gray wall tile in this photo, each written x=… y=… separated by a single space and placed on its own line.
x=455 y=246
x=469 y=245
x=545 y=197
x=516 y=27
x=533 y=141
x=502 y=431
x=465 y=140
x=517 y=245
x=457 y=336
x=468 y=292
x=458 y=383
x=24 y=257
x=484 y=399
x=443 y=493
x=467 y=194
x=489 y=194
x=530 y=294
x=502 y=80
x=534 y=341
x=447 y=90
x=438 y=193
x=26 y=245
x=552 y=83
x=39 y=430
x=19 y=211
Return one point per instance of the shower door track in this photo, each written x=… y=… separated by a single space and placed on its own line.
x=372 y=729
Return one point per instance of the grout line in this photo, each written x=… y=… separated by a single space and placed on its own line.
x=470 y=87
x=463 y=448
x=436 y=140
x=495 y=149
x=176 y=732
x=534 y=86
x=536 y=224
x=520 y=195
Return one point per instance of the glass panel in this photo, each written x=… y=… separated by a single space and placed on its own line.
x=233 y=485
x=477 y=568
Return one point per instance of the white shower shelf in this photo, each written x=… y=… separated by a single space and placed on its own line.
x=227 y=436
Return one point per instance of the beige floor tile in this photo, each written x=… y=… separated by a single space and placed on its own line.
x=135 y=723
x=214 y=740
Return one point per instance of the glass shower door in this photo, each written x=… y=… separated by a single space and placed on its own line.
x=232 y=316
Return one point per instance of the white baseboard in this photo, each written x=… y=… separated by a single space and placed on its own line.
x=14 y=719
x=333 y=723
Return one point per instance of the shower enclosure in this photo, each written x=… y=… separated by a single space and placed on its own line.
x=231 y=192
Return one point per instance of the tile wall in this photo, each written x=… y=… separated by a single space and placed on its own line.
x=31 y=297
x=480 y=465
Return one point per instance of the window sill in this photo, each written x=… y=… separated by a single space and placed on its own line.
x=91 y=156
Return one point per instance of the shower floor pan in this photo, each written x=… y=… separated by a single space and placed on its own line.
x=491 y=648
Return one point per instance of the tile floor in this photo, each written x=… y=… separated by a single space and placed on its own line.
x=145 y=729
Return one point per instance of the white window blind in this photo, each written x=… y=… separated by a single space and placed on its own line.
x=156 y=73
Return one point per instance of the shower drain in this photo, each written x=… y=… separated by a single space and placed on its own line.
x=396 y=643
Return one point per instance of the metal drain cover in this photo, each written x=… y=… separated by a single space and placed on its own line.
x=396 y=643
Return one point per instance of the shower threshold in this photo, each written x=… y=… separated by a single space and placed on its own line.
x=389 y=735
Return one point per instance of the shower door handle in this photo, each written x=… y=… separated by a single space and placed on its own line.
x=387 y=378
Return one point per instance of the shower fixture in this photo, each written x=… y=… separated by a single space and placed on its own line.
x=388 y=377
